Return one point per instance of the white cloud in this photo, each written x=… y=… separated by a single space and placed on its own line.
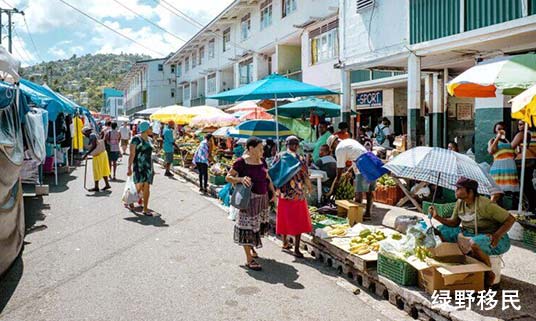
x=22 y=52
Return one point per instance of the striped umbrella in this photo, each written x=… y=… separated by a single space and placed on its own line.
x=439 y=166
x=265 y=129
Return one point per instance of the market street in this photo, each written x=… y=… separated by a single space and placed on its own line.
x=98 y=261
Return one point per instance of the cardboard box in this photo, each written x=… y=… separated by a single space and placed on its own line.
x=452 y=270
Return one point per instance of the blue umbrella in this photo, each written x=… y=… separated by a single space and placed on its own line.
x=305 y=106
x=264 y=129
x=273 y=86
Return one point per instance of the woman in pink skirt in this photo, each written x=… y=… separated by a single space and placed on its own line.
x=292 y=211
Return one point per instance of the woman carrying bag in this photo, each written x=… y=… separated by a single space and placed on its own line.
x=292 y=211
x=250 y=176
x=101 y=167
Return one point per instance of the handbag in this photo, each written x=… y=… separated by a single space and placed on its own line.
x=101 y=147
x=284 y=169
x=241 y=196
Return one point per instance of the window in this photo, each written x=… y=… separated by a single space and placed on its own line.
x=211 y=83
x=194 y=59
x=187 y=64
x=245 y=27
x=201 y=55
x=211 y=49
x=266 y=14
x=324 y=43
x=172 y=92
x=179 y=69
x=186 y=94
x=226 y=39
x=172 y=69
x=289 y=6
x=160 y=67
x=245 y=70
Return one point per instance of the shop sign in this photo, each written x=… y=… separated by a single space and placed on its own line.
x=464 y=111
x=369 y=99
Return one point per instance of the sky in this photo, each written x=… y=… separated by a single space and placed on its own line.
x=59 y=31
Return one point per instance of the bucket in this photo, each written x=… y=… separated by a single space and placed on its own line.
x=48 y=167
x=496 y=267
x=370 y=166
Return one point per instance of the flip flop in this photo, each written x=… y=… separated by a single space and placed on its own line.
x=93 y=190
x=147 y=213
x=286 y=247
x=107 y=187
x=254 y=254
x=253 y=265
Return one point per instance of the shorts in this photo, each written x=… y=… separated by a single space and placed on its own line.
x=362 y=185
x=168 y=157
x=113 y=156
x=124 y=142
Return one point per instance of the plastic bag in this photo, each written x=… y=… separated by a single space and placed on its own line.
x=130 y=194
x=233 y=213
x=402 y=248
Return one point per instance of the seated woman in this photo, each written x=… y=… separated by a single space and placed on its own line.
x=478 y=225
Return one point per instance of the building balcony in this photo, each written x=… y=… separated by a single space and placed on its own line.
x=199 y=101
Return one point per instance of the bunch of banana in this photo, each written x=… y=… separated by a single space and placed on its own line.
x=396 y=236
x=339 y=230
x=345 y=190
x=360 y=249
x=422 y=253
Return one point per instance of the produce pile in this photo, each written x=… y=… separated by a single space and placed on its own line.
x=385 y=181
x=218 y=170
x=338 y=230
x=345 y=189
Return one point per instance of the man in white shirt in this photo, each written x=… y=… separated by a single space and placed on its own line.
x=382 y=133
x=124 y=131
x=347 y=152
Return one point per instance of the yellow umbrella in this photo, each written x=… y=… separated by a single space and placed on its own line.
x=175 y=113
x=524 y=106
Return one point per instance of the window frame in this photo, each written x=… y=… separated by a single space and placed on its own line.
x=245 y=21
x=266 y=7
x=160 y=67
x=179 y=70
x=186 y=89
x=326 y=35
x=194 y=59
x=211 y=48
x=226 y=38
x=186 y=64
x=211 y=82
x=201 y=55
x=284 y=11
x=248 y=65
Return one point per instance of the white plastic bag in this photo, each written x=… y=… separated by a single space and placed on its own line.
x=233 y=213
x=130 y=195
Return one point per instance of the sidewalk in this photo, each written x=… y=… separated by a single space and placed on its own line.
x=518 y=274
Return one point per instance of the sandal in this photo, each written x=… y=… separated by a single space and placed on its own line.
x=253 y=265
x=286 y=247
x=93 y=190
x=298 y=255
x=147 y=213
x=106 y=187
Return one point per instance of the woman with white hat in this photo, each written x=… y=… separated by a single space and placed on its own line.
x=140 y=163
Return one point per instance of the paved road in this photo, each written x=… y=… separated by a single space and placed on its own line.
x=98 y=261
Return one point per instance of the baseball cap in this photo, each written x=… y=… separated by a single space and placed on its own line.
x=292 y=138
x=332 y=139
x=467 y=183
x=143 y=126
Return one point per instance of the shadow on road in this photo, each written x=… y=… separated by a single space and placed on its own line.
x=106 y=193
x=275 y=272
x=9 y=282
x=155 y=220
x=33 y=213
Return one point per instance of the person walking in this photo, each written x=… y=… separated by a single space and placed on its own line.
x=112 y=139
x=169 y=146
x=252 y=223
x=202 y=157
x=503 y=169
x=101 y=166
x=125 y=137
x=140 y=163
x=292 y=211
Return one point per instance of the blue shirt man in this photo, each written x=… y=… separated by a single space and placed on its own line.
x=169 y=144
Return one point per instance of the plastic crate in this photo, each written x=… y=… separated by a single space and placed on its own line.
x=443 y=210
x=330 y=220
x=217 y=180
x=529 y=239
x=397 y=270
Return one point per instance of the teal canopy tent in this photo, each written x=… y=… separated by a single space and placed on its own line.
x=272 y=87
x=305 y=106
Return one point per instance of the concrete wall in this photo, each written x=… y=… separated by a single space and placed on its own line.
x=158 y=85
x=288 y=59
x=362 y=40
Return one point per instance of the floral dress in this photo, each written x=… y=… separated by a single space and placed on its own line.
x=143 y=170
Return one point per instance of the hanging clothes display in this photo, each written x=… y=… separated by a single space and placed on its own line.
x=78 y=137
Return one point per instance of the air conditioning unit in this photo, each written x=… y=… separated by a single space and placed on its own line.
x=362 y=5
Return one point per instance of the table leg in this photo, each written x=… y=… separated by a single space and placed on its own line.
x=319 y=189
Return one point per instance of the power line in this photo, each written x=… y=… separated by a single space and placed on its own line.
x=8 y=3
x=149 y=21
x=31 y=39
x=110 y=28
x=28 y=55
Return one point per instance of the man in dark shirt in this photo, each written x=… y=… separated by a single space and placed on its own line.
x=327 y=163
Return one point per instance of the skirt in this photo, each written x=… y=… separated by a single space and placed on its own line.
x=504 y=173
x=251 y=224
x=101 y=167
x=292 y=217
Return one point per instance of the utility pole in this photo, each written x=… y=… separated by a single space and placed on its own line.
x=9 y=12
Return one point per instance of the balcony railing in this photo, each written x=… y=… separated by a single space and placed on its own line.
x=199 y=101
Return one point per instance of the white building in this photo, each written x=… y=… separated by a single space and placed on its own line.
x=148 y=84
x=398 y=55
x=113 y=107
x=251 y=39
